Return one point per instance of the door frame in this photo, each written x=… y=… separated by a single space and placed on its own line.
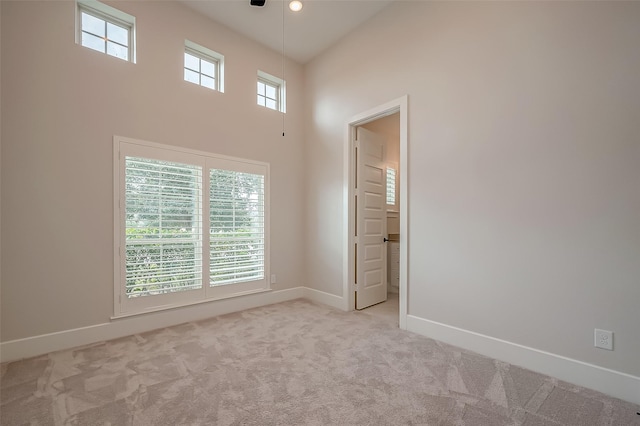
x=380 y=111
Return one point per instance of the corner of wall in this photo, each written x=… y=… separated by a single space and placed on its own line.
x=324 y=298
x=610 y=382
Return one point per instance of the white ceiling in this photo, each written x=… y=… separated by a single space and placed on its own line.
x=307 y=33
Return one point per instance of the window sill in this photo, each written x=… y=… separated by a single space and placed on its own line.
x=168 y=307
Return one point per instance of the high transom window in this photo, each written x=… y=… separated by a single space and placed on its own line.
x=271 y=92
x=105 y=29
x=203 y=66
x=268 y=94
x=190 y=226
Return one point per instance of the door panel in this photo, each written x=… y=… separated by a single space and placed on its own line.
x=372 y=227
x=372 y=201
x=372 y=174
x=371 y=274
x=373 y=252
x=374 y=278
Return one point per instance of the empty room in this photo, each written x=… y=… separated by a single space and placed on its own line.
x=319 y=212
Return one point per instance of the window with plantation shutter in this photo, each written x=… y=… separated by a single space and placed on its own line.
x=391 y=186
x=163 y=227
x=236 y=227
x=189 y=226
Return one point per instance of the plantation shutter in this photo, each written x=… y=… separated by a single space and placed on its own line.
x=237 y=227
x=185 y=218
x=163 y=235
x=391 y=186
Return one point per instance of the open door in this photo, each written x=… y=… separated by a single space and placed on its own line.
x=371 y=223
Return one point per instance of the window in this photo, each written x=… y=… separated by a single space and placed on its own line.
x=271 y=92
x=189 y=226
x=391 y=186
x=268 y=94
x=236 y=230
x=203 y=66
x=105 y=29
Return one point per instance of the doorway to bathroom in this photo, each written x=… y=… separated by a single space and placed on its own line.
x=376 y=231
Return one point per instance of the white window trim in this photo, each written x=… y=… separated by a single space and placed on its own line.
x=108 y=14
x=208 y=55
x=122 y=306
x=282 y=92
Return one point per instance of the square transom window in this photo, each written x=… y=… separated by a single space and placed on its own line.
x=271 y=93
x=203 y=66
x=268 y=94
x=105 y=29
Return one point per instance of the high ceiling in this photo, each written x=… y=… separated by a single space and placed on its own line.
x=307 y=33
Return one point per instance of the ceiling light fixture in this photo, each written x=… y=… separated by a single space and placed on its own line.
x=295 y=5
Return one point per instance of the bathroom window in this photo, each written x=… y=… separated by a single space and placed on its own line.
x=392 y=199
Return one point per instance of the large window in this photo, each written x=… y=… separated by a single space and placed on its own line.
x=105 y=29
x=190 y=226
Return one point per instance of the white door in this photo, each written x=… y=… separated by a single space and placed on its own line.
x=371 y=226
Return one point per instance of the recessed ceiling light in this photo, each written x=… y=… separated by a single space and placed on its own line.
x=295 y=5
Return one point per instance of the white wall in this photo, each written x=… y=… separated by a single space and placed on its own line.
x=524 y=184
x=61 y=106
x=0 y=170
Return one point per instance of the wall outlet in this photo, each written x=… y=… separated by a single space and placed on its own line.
x=603 y=339
x=273 y=279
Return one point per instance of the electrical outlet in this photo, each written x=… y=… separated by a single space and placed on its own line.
x=273 y=279
x=603 y=339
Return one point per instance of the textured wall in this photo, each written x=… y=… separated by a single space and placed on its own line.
x=524 y=145
x=61 y=106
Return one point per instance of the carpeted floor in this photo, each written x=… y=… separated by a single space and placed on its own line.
x=294 y=363
x=389 y=310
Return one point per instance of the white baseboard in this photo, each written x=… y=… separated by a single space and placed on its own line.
x=614 y=383
x=610 y=382
x=324 y=298
x=38 y=345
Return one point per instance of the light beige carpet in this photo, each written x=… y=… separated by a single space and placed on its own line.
x=294 y=363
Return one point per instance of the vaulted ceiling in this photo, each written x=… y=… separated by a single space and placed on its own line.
x=307 y=33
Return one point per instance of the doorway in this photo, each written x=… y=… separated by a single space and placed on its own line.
x=364 y=120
